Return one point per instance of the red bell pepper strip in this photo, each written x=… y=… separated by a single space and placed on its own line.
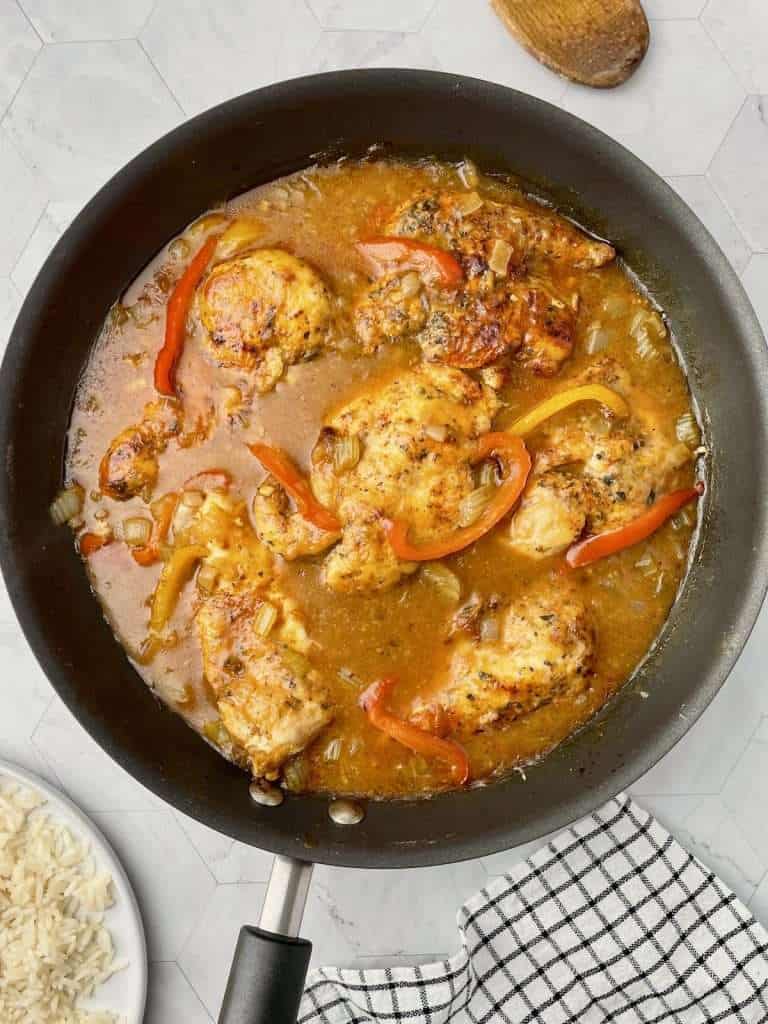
x=90 y=542
x=612 y=541
x=517 y=466
x=209 y=480
x=285 y=472
x=149 y=553
x=372 y=702
x=176 y=319
x=436 y=265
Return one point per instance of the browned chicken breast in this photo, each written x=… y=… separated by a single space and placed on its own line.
x=501 y=309
x=402 y=448
x=543 y=651
x=130 y=464
x=271 y=701
x=263 y=311
x=470 y=225
x=616 y=467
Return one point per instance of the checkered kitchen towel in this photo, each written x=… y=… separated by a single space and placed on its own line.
x=611 y=921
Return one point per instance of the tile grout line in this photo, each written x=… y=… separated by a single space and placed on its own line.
x=30 y=22
x=161 y=76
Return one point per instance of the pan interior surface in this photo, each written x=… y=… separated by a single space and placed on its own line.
x=275 y=131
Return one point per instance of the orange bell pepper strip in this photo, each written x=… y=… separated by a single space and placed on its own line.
x=90 y=542
x=176 y=319
x=149 y=553
x=418 y=740
x=612 y=541
x=209 y=480
x=436 y=265
x=516 y=465
x=285 y=472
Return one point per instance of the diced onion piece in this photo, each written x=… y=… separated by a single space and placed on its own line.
x=346 y=452
x=488 y=475
x=614 y=305
x=265 y=618
x=437 y=431
x=207 y=578
x=67 y=504
x=465 y=205
x=471 y=507
x=597 y=338
x=231 y=399
x=489 y=629
x=296 y=774
x=296 y=661
x=241 y=234
x=500 y=257
x=348 y=676
x=687 y=430
x=333 y=751
x=192 y=499
x=410 y=284
x=136 y=531
x=468 y=175
x=442 y=579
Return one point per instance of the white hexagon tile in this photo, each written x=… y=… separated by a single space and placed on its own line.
x=86 y=84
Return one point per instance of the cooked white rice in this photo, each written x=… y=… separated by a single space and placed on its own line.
x=54 y=948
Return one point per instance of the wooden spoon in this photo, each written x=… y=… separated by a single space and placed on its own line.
x=595 y=42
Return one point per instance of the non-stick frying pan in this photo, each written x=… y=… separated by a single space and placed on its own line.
x=251 y=140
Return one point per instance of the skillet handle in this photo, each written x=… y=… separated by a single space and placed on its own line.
x=266 y=980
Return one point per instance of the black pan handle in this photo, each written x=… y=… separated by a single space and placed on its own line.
x=266 y=980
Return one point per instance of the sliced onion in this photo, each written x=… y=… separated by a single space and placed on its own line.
x=471 y=507
x=437 y=431
x=598 y=338
x=410 y=285
x=501 y=254
x=137 y=531
x=192 y=499
x=333 y=751
x=296 y=774
x=489 y=629
x=348 y=676
x=468 y=175
x=179 y=250
x=468 y=204
x=687 y=429
x=346 y=453
x=265 y=619
x=442 y=579
x=488 y=475
x=67 y=504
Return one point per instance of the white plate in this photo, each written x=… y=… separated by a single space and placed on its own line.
x=125 y=993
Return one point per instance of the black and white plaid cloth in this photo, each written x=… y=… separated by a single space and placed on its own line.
x=611 y=921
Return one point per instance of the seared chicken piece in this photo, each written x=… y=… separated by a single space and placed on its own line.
x=130 y=464
x=544 y=652
x=392 y=308
x=416 y=437
x=271 y=701
x=469 y=226
x=284 y=530
x=618 y=467
x=263 y=311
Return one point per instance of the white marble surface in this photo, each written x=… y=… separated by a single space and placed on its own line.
x=85 y=84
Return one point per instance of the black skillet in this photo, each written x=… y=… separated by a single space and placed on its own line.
x=254 y=139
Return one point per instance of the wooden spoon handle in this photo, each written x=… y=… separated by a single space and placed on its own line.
x=595 y=42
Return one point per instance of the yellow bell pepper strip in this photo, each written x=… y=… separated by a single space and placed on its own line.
x=176 y=319
x=291 y=480
x=372 y=702
x=609 y=543
x=436 y=265
x=162 y=511
x=516 y=465
x=90 y=542
x=563 y=399
x=176 y=572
